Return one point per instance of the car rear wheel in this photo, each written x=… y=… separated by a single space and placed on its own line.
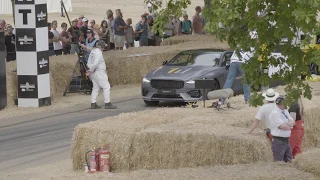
x=151 y=103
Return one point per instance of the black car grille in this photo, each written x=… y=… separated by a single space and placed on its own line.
x=167 y=84
x=175 y=96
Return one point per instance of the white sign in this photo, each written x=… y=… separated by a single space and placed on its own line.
x=25 y=40
x=43 y=63
x=41 y=16
x=27 y=87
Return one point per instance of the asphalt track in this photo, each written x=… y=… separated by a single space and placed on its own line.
x=41 y=138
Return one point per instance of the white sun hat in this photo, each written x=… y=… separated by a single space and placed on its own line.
x=270 y=95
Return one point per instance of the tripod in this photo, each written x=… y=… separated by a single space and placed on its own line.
x=79 y=65
x=87 y=82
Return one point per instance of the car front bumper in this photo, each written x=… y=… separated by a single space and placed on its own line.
x=186 y=94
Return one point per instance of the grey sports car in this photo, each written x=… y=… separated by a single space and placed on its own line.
x=175 y=80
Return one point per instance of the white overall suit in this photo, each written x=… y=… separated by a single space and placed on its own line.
x=98 y=75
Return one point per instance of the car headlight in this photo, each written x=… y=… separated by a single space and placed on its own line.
x=145 y=80
x=190 y=82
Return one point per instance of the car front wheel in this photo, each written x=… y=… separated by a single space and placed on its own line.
x=151 y=103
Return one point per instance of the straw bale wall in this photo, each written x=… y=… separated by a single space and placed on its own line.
x=184 y=137
x=309 y=161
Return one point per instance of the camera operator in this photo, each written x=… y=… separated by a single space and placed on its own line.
x=97 y=73
x=90 y=43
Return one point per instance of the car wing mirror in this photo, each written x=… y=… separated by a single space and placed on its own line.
x=164 y=62
x=228 y=64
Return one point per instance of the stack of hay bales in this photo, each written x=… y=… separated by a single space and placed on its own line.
x=309 y=161
x=171 y=138
x=183 y=137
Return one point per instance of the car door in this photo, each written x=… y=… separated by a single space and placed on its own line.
x=237 y=86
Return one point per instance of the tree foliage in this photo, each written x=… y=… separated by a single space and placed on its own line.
x=232 y=20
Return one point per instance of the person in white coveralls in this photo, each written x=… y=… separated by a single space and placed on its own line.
x=98 y=75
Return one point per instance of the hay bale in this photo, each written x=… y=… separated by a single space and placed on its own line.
x=175 y=40
x=309 y=161
x=172 y=138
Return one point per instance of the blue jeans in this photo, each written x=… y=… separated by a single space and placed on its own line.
x=235 y=69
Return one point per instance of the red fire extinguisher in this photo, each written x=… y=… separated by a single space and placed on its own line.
x=93 y=164
x=104 y=159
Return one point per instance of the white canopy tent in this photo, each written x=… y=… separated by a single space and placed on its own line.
x=52 y=5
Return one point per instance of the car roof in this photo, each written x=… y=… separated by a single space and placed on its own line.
x=199 y=51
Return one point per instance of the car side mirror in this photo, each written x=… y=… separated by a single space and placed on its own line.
x=164 y=62
x=227 y=64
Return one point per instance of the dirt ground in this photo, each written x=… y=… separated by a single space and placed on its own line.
x=117 y=92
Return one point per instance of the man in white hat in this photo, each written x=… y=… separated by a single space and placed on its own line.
x=263 y=114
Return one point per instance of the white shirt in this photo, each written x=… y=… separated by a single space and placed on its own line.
x=170 y=26
x=96 y=61
x=56 y=45
x=264 y=112
x=129 y=34
x=276 y=119
x=110 y=31
x=245 y=56
x=176 y=24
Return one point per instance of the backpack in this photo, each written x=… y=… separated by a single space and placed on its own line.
x=188 y=21
x=137 y=37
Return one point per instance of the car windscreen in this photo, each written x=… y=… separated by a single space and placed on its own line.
x=196 y=59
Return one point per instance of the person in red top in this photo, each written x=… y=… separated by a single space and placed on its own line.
x=66 y=39
x=297 y=132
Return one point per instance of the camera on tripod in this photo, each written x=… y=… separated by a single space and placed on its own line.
x=77 y=83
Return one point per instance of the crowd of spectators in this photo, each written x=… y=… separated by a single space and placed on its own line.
x=115 y=31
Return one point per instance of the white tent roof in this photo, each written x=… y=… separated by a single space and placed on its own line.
x=52 y=5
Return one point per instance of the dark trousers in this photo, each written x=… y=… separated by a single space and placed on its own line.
x=151 y=42
x=11 y=56
x=281 y=150
x=58 y=52
x=112 y=46
x=66 y=50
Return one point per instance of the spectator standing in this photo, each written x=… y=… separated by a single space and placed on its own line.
x=51 y=40
x=197 y=22
x=89 y=44
x=176 y=24
x=263 y=114
x=110 y=19
x=75 y=33
x=141 y=31
x=84 y=29
x=96 y=30
x=92 y=23
x=186 y=25
x=104 y=33
x=168 y=29
x=129 y=34
x=66 y=39
x=79 y=24
x=281 y=124
x=151 y=38
x=57 y=41
x=2 y=25
x=296 y=111
x=119 y=27
x=10 y=44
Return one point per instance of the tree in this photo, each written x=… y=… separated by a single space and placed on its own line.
x=232 y=20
